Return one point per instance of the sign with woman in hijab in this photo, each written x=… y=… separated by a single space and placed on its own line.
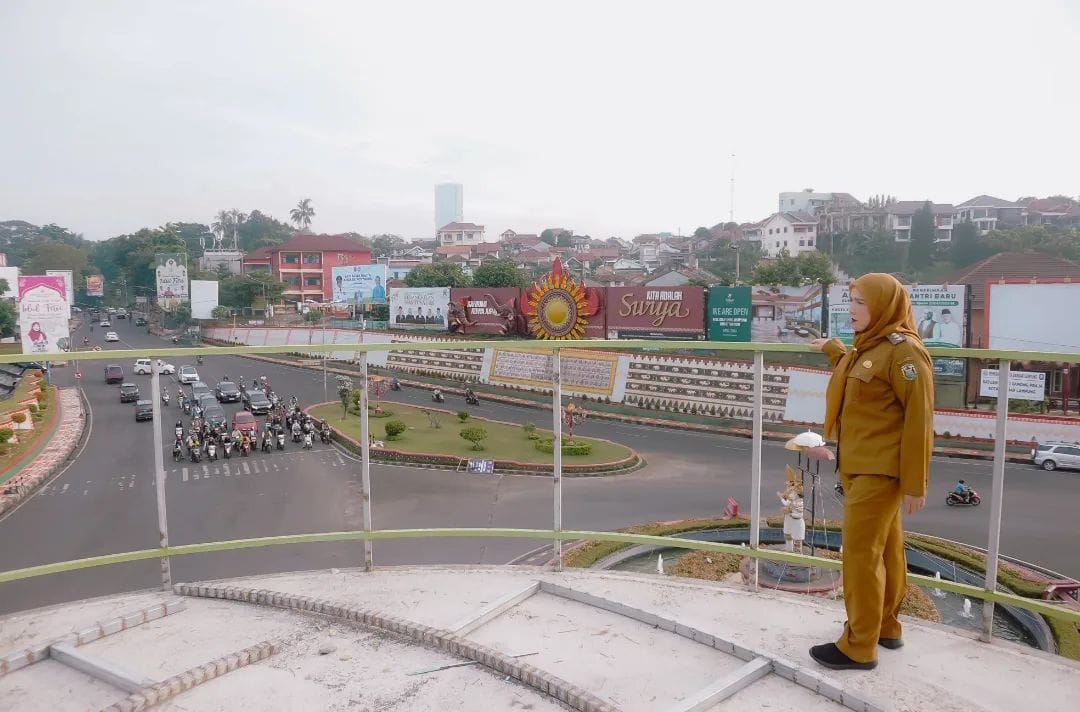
x=43 y=314
x=172 y=279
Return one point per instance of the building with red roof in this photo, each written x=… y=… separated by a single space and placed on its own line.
x=304 y=263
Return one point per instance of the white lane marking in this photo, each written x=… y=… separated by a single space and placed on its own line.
x=65 y=487
x=228 y=472
x=206 y=472
x=185 y=474
x=255 y=467
x=85 y=492
x=247 y=470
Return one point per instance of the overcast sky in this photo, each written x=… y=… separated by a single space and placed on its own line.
x=610 y=118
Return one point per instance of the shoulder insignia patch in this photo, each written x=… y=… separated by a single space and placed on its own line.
x=897 y=338
x=907 y=370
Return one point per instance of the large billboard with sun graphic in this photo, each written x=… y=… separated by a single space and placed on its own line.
x=559 y=308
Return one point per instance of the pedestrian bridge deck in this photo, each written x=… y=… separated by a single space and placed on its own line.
x=492 y=638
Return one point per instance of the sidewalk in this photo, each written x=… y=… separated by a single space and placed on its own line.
x=54 y=455
x=958 y=452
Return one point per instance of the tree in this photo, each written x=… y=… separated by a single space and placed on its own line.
x=259 y=230
x=923 y=231
x=564 y=239
x=8 y=316
x=386 y=245
x=56 y=255
x=439 y=274
x=703 y=233
x=394 y=429
x=222 y=224
x=499 y=273
x=966 y=248
x=313 y=316
x=802 y=269
x=721 y=261
x=181 y=315
x=549 y=237
x=302 y=214
x=220 y=312
x=345 y=391
x=474 y=434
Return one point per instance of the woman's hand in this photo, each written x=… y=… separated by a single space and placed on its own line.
x=817 y=344
x=913 y=504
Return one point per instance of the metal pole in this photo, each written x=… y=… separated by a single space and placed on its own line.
x=159 y=476
x=997 y=494
x=365 y=460
x=325 y=397
x=755 y=465
x=556 y=441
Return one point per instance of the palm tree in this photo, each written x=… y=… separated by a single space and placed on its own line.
x=237 y=218
x=302 y=214
x=222 y=223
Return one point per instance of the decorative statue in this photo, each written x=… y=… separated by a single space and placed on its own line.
x=457 y=318
x=791 y=499
x=513 y=322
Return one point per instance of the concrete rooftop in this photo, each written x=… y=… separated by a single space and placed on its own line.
x=337 y=640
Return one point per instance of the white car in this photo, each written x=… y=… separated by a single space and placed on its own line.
x=111 y=336
x=187 y=374
x=142 y=367
x=105 y=322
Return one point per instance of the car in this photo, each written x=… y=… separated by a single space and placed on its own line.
x=1053 y=454
x=140 y=321
x=256 y=402
x=143 y=366
x=105 y=323
x=114 y=373
x=214 y=415
x=198 y=388
x=129 y=392
x=245 y=422
x=227 y=392
x=121 y=314
x=112 y=336
x=144 y=410
x=206 y=399
x=187 y=374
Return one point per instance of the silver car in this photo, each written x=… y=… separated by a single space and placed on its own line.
x=187 y=374
x=1055 y=453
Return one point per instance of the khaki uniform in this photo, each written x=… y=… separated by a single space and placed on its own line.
x=884 y=445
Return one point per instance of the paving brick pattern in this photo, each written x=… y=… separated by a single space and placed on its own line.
x=53 y=457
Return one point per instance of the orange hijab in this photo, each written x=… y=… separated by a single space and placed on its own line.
x=890 y=312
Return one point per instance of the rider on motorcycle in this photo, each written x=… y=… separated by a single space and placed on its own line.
x=437 y=395
x=469 y=395
x=962 y=490
x=394 y=383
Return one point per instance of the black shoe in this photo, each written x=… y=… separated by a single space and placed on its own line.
x=891 y=643
x=832 y=657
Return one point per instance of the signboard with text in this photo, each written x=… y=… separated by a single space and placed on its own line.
x=419 y=307
x=171 y=276
x=43 y=315
x=655 y=313
x=357 y=284
x=940 y=313
x=95 y=285
x=729 y=314
x=494 y=310
x=1023 y=385
x=69 y=285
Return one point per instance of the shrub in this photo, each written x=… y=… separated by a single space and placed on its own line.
x=530 y=430
x=474 y=434
x=19 y=417
x=394 y=429
x=42 y=395
x=37 y=417
x=6 y=434
x=578 y=448
x=32 y=408
x=463 y=415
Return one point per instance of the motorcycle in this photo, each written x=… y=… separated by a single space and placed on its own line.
x=293 y=402
x=295 y=432
x=307 y=441
x=280 y=438
x=953 y=499
x=324 y=435
x=394 y=385
x=226 y=448
x=165 y=397
x=471 y=399
x=307 y=427
x=179 y=432
x=211 y=451
x=266 y=447
x=176 y=339
x=438 y=397
x=177 y=452
x=196 y=454
x=245 y=447
x=198 y=360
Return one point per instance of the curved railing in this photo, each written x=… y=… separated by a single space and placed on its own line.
x=988 y=593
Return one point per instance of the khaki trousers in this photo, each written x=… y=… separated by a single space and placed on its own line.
x=875 y=569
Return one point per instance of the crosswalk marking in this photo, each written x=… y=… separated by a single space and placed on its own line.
x=228 y=472
x=185 y=475
x=247 y=470
x=206 y=472
x=255 y=467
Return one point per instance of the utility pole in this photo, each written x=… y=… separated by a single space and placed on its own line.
x=731 y=199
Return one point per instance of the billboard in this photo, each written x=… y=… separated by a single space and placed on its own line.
x=95 y=285
x=43 y=315
x=356 y=284
x=484 y=310
x=785 y=315
x=1033 y=317
x=940 y=313
x=204 y=297
x=419 y=307
x=172 y=279
x=655 y=313
x=69 y=286
x=728 y=318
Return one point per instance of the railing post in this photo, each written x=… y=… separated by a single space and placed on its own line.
x=365 y=461
x=755 y=464
x=159 y=475
x=556 y=441
x=997 y=492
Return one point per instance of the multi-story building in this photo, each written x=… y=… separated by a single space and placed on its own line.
x=899 y=216
x=988 y=212
x=1062 y=212
x=647 y=250
x=460 y=233
x=304 y=263
x=803 y=201
x=448 y=204
x=794 y=232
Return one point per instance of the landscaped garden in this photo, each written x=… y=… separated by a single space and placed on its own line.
x=435 y=431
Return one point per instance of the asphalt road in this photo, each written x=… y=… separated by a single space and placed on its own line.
x=105 y=501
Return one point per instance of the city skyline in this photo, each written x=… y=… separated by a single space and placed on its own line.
x=135 y=118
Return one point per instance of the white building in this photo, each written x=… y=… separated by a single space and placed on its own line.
x=899 y=215
x=803 y=201
x=448 y=204
x=460 y=233
x=792 y=231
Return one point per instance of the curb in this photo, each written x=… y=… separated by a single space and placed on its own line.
x=444 y=640
x=958 y=453
x=55 y=454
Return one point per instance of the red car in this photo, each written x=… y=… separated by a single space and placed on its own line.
x=245 y=422
x=114 y=373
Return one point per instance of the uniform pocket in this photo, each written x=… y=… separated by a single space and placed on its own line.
x=858 y=383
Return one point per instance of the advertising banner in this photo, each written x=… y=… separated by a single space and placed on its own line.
x=1033 y=317
x=69 y=286
x=356 y=284
x=656 y=313
x=172 y=279
x=419 y=307
x=1023 y=385
x=488 y=310
x=43 y=315
x=785 y=315
x=729 y=314
x=95 y=285
x=587 y=372
x=940 y=313
x=204 y=297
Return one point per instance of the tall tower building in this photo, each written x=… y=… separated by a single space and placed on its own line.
x=448 y=204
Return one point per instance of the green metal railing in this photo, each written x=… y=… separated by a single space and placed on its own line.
x=988 y=593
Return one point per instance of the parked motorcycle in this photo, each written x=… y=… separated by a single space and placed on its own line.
x=953 y=499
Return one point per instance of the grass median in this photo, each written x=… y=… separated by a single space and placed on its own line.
x=504 y=441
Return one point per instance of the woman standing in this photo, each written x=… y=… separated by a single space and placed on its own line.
x=880 y=409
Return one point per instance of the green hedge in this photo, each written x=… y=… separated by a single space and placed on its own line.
x=578 y=448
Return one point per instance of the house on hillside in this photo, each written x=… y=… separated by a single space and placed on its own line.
x=1060 y=212
x=460 y=233
x=794 y=232
x=988 y=212
x=898 y=217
